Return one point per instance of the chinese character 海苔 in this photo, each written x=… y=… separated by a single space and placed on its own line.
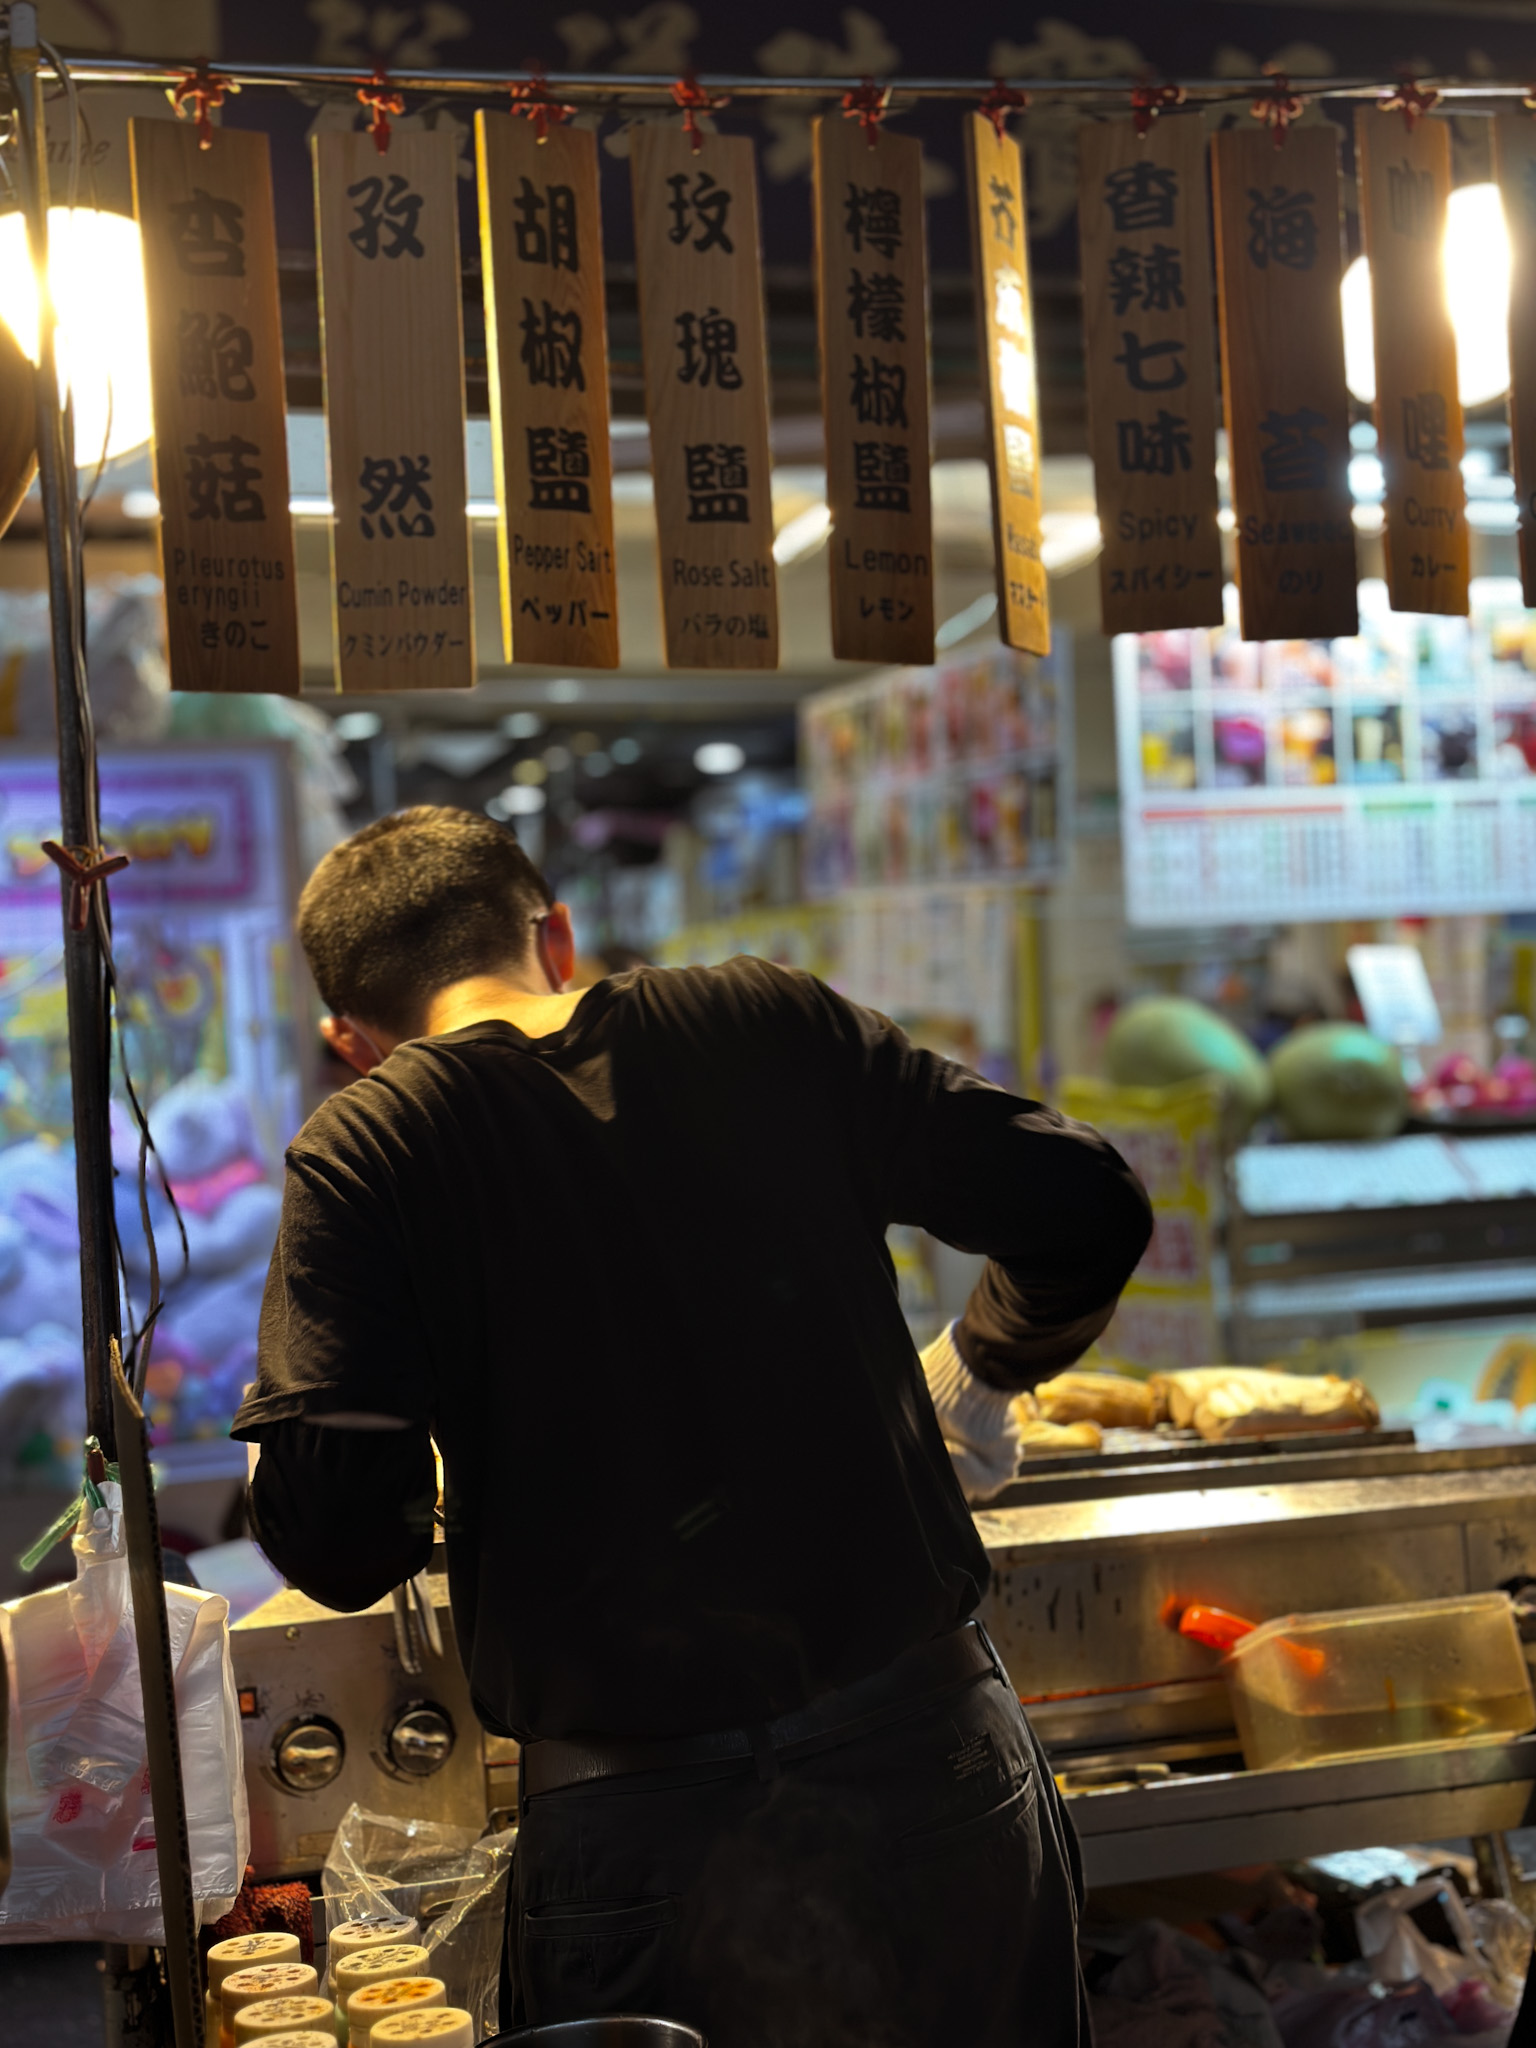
x=877 y=305
x=1141 y=196
x=551 y=351
x=386 y=219
x=545 y=228
x=1410 y=201
x=1154 y=447
x=213 y=356
x=873 y=218
x=208 y=235
x=878 y=392
x=219 y=479
x=390 y=484
x=882 y=476
x=707 y=207
x=1154 y=281
x=1426 y=430
x=559 y=470
x=1296 y=458
x=707 y=344
x=1282 y=228
x=716 y=474
x=1135 y=354
x=1003 y=207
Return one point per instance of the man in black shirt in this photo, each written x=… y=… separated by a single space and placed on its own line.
x=622 y=1255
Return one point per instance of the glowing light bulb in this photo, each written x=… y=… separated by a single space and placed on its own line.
x=1477 y=271
x=96 y=276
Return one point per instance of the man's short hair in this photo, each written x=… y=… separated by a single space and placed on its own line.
x=413 y=903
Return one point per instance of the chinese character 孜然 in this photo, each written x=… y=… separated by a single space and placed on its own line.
x=1296 y=459
x=877 y=305
x=1154 y=281
x=559 y=470
x=707 y=207
x=716 y=473
x=213 y=357
x=1135 y=356
x=882 y=476
x=219 y=480
x=545 y=227
x=872 y=214
x=208 y=235
x=707 y=344
x=387 y=218
x=878 y=392
x=1282 y=228
x=1002 y=205
x=551 y=351
x=1154 y=447
x=1426 y=430
x=1410 y=201
x=1141 y=196
x=390 y=485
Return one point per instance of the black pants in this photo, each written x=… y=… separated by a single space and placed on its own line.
x=917 y=1887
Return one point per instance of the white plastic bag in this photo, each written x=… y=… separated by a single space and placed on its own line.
x=82 y=1828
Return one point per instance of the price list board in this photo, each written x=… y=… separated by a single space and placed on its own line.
x=1392 y=773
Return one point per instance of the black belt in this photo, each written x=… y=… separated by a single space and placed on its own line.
x=900 y=1688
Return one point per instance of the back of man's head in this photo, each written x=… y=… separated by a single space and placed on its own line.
x=412 y=904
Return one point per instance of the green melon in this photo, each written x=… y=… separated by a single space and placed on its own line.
x=1338 y=1081
x=1159 y=1040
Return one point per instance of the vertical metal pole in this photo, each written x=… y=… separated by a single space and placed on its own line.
x=84 y=972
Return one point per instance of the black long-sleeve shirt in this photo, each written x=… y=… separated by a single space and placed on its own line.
x=632 y=1277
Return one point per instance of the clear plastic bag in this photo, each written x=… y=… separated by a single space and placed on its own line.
x=450 y=1881
x=82 y=1826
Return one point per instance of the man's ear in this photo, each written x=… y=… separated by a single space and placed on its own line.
x=350 y=1043
x=557 y=946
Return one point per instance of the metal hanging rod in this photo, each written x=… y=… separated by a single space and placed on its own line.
x=602 y=85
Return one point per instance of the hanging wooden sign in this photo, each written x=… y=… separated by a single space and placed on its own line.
x=1514 y=155
x=221 y=439
x=872 y=317
x=699 y=266
x=1278 y=265
x=1005 y=319
x=541 y=245
x=1150 y=363
x=391 y=328
x=1405 y=181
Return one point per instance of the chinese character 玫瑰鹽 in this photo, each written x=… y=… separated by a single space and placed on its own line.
x=545 y=228
x=390 y=485
x=1154 y=447
x=1296 y=458
x=1410 y=201
x=387 y=218
x=1154 y=281
x=877 y=305
x=1141 y=196
x=559 y=470
x=1426 y=430
x=551 y=351
x=878 y=392
x=1282 y=228
x=208 y=235
x=882 y=476
x=873 y=217
x=219 y=479
x=213 y=356
x=716 y=474
x=1135 y=354
x=707 y=207
x=707 y=344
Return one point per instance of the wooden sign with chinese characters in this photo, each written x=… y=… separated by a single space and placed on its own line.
x=1278 y=264
x=872 y=316
x=1151 y=382
x=1405 y=181
x=388 y=233
x=1514 y=155
x=1006 y=322
x=216 y=368
x=699 y=267
x=541 y=243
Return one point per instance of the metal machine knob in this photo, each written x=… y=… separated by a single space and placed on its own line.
x=421 y=1741
x=307 y=1755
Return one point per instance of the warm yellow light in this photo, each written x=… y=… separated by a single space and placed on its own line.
x=96 y=276
x=1477 y=265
